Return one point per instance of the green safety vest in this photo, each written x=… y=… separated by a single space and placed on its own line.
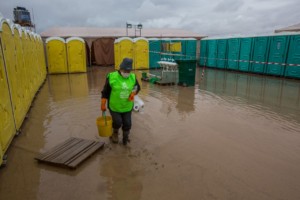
x=120 y=90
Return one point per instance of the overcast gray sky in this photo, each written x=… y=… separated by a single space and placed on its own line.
x=207 y=17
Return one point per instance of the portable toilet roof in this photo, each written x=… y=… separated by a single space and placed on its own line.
x=55 y=38
x=17 y=26
x=123 y=38
x=75 y=38
x=3 y=20
x=139 y=38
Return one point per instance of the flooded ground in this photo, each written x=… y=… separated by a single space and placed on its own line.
x=232 y=136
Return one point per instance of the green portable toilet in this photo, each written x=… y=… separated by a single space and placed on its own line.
x=293 y=58
x=245 y=54
x=211 y=53
x=260 y=54
x=221 y=54
x=203 y=53
x=154 y=52
x=277 y=55
x=190 y=48
x=233 y=53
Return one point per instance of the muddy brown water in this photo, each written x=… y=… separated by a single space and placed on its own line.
x=232 y=136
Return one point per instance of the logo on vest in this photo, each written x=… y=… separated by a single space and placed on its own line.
x=124 y=94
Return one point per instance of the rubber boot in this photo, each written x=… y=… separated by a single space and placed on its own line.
x=115 y=136
x=125 y=137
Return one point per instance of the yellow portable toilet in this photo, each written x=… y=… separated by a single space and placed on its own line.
x=141 y=53
x=30 y=65
x=42 y=58
x=26 y=67
x=76 y=54
x=7 y=124
x=57 y=55
x=117 y=53
x=19 y=72
x=125 y=49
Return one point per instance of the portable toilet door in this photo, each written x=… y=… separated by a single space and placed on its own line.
x=57 y=55
x=7 y=124
x=125 y=49
x=260 y=54
x=177 y=48
x=277 y=55
x=245 y=54
x=222 y=52
x=141 y=53
x=166 y=50
x=154 y=52
x=76 y=55
x=211 y=53
x=293 y=59
x=189 y=48
x=203 y=53
x=233 y=53
x=117 y=53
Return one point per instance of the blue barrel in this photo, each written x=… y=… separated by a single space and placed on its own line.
x=246 y=51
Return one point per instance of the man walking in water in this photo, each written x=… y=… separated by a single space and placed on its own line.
x=118 y=92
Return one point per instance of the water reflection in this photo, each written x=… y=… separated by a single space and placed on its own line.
x=277 y=95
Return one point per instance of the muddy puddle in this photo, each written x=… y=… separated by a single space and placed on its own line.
x=232 y=136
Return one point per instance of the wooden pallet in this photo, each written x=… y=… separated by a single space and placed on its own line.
x=70 y=153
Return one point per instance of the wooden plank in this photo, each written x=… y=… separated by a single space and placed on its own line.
x=85 y=155
x=55 y=148
x=70 y=152
x=57 y=152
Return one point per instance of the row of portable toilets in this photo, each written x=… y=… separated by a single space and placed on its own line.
x=66 y=55
x=146 y=53
x=277 y=55
x=22 y=72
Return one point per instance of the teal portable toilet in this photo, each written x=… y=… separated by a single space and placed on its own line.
x=166 y=50
x=233 y=53
x=277 y=55
x=177 y=46
x=221 y=54
x=154 y=52
x=260 y=54
x=246 y=54
x=293 y=59
x=190 y=48
x=203 y=53
x=211 y=53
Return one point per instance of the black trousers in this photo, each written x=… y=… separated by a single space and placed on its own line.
x=121 y=120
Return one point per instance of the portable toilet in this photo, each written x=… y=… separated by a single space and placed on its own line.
x=221 y=53
x=124 y=50
x=57 y=55
x=117 y=53
x=260 y=54
x=177 y=48
x=203 y=52
x=212 y=50
x=7 y=124
x=141 y=53
x=245 y=54
x=154 y=52
x=233 y=53
x=189 y=48
x=76 y=54
x=166 y=49
x=293 y=58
